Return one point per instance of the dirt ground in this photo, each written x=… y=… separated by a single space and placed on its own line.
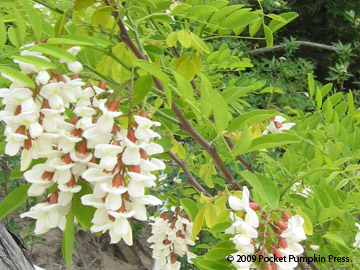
x=91 y=252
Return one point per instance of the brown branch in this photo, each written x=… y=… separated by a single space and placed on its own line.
x=246 y=164
x=185 y=124
x=312 y=265
x=301 y=43
x=191 y=179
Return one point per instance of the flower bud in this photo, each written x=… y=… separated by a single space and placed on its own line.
x=72 y=182
x=277 y=253
x=17 y=110
x=173 y=259
x=114 y=105
x=45 y=104
x=102 y=85
x=143 y=154
x=117 y=181
x=75 y=76
x=53 y=198
x=165 y=216
x=74 y=120
x=82 y=147
x=286 y=216
x=282 y=225
x=144 y=114
x=27 y=144
x=131 y=135
x=277 y=124
x=76 y=132
x=125 y=196
x=166 y=242
x=254 y=206
x=115 y=128
x=67 y=159
x=135 y=169
x=20 y=130
x=47 y=175
x=282 y=243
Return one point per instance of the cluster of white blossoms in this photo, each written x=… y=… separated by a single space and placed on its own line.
x=291 y=233
x=245 y=228
x=171 y=235
x=77 y=138
x=276 y=125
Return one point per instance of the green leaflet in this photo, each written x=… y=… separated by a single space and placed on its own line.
x=68 y=237
x=13 y=200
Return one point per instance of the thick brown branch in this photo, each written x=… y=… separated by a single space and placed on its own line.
x=185 y=124
x=302 y=43
x=191 y=179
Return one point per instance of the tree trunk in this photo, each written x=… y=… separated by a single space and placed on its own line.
x=12 y=256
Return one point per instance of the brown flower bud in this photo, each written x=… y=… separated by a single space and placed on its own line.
x=277 y=124
x=173 y=259
x=27 y=144
x=143 y=154
x=102 y=85
x=20 y=130
x=17 y=110
x=144 y=114
x=277 y=253
x=114 y=105
x=72 y=182
x=82 y=147
x=282 y=243
x=53 y=198
x=47 y=175
x=282 y=225
x=286 y=216
x=131 y=135
x=117 y=181
x=135 y=169
x=67 y=159
x=254 y=206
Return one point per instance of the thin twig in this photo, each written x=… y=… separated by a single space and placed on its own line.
x=191 y=179
x=301 y=43
x=246 y=164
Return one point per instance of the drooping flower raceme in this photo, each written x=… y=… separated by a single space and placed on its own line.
x=78 y=142
x=171 y=235
x=245 y=228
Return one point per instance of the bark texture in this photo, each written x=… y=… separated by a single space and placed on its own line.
x=12 y=256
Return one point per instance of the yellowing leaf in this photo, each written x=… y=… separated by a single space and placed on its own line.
x=198 y=222
x=172 y=39
x=184 y=38
x=210 y=215
x=205 y=199
x=199 y=43
x=307 y=226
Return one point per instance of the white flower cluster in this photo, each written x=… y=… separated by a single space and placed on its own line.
x=87 y=146
x=292 y=234
x=171 y=235
x=245 y=228
x=121 y=176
